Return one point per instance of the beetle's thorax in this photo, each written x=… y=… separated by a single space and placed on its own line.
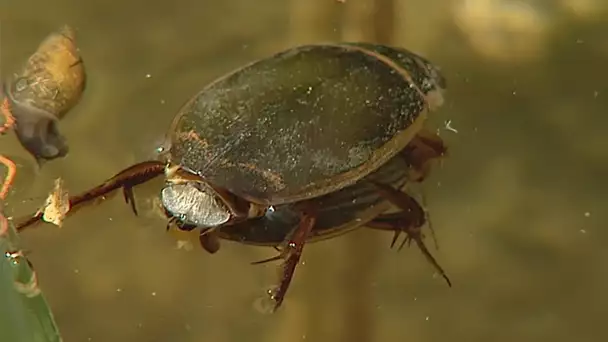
x=194 y=205
x=190 y=199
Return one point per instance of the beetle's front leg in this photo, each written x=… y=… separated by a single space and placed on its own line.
x=410 y=220
x=291 y=253
x=421 y=153
x=126 y=179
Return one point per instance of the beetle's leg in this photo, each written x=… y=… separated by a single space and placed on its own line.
x=210 y=241
x=274 y=258
x=410 y=220
x=126 y=179
x=421 y=152
x=290 y=254
x=9 y=119
x=127 y=192
x=433 y=142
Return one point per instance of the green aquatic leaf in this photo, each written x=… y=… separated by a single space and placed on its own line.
x=25 y=315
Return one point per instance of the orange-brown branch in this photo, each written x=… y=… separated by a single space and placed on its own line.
x=9 y=118
x=9 y=178
x=6 y=185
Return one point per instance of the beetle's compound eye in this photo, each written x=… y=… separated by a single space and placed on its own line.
x=194 y=206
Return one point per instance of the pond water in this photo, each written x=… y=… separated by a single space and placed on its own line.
x=518 y=206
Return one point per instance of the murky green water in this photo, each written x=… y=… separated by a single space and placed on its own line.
x=518 y=207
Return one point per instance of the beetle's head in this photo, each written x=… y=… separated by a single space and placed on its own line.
x=191 y=201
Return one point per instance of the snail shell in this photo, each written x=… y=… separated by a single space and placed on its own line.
x=50 y=83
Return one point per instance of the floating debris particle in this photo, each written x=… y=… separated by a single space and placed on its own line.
x=448 y=126
x=57 y=204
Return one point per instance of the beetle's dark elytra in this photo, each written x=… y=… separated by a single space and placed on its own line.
x=304 y=122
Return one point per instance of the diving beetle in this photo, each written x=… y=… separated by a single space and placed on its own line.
x=287 y=129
